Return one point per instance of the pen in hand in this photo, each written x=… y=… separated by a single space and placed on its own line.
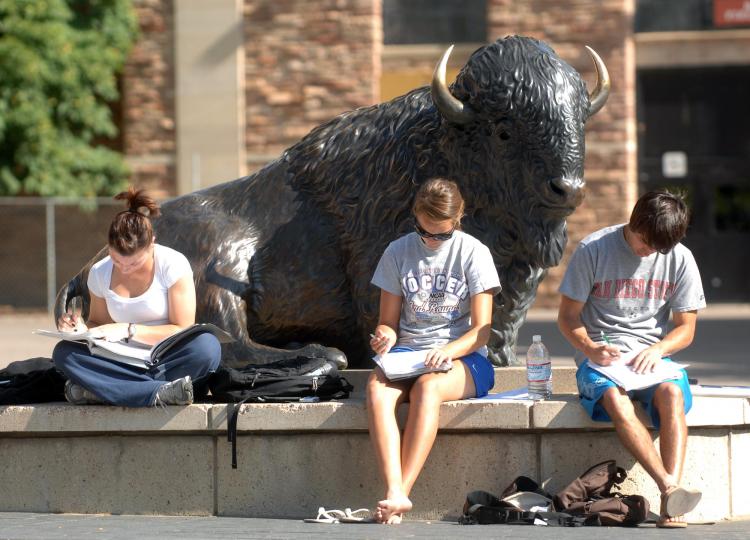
x=609 y=343
x=70 y=317
x=379 y=341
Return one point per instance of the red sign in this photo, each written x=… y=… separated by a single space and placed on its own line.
x=731 y=12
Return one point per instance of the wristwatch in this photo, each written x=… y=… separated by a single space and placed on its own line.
x=131 y=332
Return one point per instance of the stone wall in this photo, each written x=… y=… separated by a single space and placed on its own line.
x=148 y=108
x=306 y=62
x=610 y=168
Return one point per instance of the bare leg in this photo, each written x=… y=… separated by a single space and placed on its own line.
x=634 y=436
x=383 y=399
x=425 y=397
x=673 y=432
x=668 y=401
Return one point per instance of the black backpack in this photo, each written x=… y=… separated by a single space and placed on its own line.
x=295 y=379
x=35 y=380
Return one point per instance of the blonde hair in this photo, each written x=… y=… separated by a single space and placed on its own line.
x=439 y=200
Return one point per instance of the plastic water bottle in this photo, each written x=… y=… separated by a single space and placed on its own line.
x=538 y=370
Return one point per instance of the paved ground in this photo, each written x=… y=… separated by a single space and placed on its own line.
x=720 y=353
x=66 y=526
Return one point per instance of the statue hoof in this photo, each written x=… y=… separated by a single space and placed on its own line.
x=331 y=354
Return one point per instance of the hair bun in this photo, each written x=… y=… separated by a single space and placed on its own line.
x=138 y=202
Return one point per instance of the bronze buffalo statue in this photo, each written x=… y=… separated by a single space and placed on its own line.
x=283 y=257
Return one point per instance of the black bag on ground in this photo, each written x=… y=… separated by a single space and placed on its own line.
x=295 y=379
x=35 y=380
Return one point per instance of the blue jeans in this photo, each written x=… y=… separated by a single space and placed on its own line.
x=127 y=386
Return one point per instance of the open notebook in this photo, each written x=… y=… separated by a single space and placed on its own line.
x=621 y=372
x=133 y=353
x=405 y=365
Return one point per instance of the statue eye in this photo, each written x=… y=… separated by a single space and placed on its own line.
x=503 y=128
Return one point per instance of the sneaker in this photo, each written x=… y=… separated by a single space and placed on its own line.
x=179 y=392
x=78 y=395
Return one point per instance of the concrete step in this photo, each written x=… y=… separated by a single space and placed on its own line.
x=294 y=458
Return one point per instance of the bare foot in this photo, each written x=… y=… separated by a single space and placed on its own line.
x=391 y=510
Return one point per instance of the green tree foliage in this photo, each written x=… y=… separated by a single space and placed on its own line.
x=58 y=66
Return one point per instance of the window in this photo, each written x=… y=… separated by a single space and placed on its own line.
x=434 y=21
x=671 y=15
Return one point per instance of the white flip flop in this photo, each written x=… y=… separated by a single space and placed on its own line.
x=362 y=515
x=326 y=516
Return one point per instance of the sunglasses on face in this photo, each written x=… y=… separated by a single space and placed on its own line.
x=433 y=236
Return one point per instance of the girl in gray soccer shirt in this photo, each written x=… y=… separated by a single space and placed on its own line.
x=437 y=285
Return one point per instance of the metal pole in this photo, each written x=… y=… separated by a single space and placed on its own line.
x=51 y=255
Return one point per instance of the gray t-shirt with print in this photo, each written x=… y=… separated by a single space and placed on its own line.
x=630 y=298
x=436 y=286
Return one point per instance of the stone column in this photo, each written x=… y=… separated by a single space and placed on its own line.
x=209 y=92
x=610 y=167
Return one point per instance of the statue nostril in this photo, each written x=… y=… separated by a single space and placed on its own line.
x=564 y=187
x=554 y=185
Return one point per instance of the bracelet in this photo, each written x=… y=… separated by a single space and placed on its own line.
x=131 y=332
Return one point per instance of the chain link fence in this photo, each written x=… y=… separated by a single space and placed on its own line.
x=44 y=242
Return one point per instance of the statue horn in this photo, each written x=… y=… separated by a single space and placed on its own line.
x=451 y=108
x=601 y=92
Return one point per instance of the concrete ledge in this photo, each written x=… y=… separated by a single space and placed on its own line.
x=564 y=412
x=351 y=415
x=64 y=418
x=295 y=457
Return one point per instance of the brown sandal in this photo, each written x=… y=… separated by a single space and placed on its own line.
x=676 y=501
x=664 y=523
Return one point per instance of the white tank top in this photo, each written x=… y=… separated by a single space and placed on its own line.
x=152 y=307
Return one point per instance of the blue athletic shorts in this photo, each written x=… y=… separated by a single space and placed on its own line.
x=481 y=370
x=592 y=385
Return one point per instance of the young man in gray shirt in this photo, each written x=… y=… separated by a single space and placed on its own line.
x=617 y=295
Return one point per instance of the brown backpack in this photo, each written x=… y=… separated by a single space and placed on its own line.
x=591 y=493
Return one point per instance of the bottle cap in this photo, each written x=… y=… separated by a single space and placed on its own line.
x=537 y=339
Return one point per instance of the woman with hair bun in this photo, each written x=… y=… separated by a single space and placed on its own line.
x=144 y=292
